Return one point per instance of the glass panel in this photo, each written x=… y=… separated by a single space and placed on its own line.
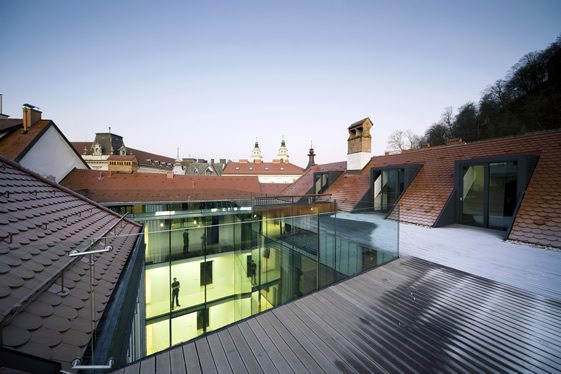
x=473 y=195
x=378 y=193
x=502 y=193
x=267 y=254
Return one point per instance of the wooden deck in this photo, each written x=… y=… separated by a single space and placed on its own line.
x=409 y=315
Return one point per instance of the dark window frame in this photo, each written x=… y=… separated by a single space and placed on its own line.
x=403 y=180
x=525 y=167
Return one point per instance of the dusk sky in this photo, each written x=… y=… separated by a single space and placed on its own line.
x=210 y=77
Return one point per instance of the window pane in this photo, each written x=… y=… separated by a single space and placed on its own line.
x=473 y=195
x=502 y=193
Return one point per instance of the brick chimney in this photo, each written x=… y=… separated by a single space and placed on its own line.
x=30 y=117
x=359 y=144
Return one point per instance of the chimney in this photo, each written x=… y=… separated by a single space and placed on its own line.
x=359 y=144
x=30 y=117
x=2 y=115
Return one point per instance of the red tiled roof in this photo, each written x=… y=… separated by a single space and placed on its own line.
x=40 y=223
x=303 y=184
x=261 y=168
x=273 y=188
x=147 y=187
x=349 y=189
x=539 y=218
x=14 y=145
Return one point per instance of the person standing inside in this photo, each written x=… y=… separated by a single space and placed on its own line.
x=185 y=242
x=175 y=293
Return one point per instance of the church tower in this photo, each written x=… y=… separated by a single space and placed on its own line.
x=283 y=152
x=177 y=167
x=311 y=155
x=256 y=155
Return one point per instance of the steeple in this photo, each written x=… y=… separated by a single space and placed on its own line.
x=256 y=155
x=283 y=152
x=177 y=167
x=311 y=155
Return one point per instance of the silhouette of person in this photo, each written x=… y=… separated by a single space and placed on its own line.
x=253 y=272
x=185 y=242
x=175 y=293
x=203 y=241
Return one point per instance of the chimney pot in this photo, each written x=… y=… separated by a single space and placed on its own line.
x=30 y=117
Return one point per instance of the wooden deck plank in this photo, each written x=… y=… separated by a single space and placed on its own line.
x=333 y=339
x=133 y=369
x=218 y=354
x=326 y=358
x=295 y=346
x=148 y=366
x=205 y=356
x=163 y=364
x=245 y=351
x=177 y=361
x=257 y=348
x=192 y=362
x=269 y=346
x=279 y=342
x=230 y=348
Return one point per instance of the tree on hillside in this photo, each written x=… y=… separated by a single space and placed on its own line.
x=437 y=134
x=528 y=99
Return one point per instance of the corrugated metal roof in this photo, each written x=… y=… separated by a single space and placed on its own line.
x=408 y=316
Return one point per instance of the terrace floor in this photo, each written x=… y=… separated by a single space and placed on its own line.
x=481 y=252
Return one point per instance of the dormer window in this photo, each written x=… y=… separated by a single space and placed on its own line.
x=237 y=168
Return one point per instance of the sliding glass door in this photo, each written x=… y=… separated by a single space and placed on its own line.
x=489 y=194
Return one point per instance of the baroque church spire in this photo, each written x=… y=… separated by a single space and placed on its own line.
x=283 y=152
x=256 y=155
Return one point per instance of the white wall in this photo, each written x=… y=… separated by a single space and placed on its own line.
x=356 y=161
x=278 y=178
x=51 y=156
x=281 y=179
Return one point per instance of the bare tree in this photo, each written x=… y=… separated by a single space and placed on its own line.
x=400 y=141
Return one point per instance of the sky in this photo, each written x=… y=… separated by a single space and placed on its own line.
x=211 y=77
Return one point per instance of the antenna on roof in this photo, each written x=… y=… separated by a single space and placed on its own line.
x=110 y=129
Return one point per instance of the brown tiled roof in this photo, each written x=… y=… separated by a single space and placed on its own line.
x=272 y=188
x=359 y=122
x=40 y=223
x=141 y=156
x=150 y=187
x=539 y=218
x=14 y=145
x=9 y=124
x=304 y=184
x=349 y=189
x=261 y=168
